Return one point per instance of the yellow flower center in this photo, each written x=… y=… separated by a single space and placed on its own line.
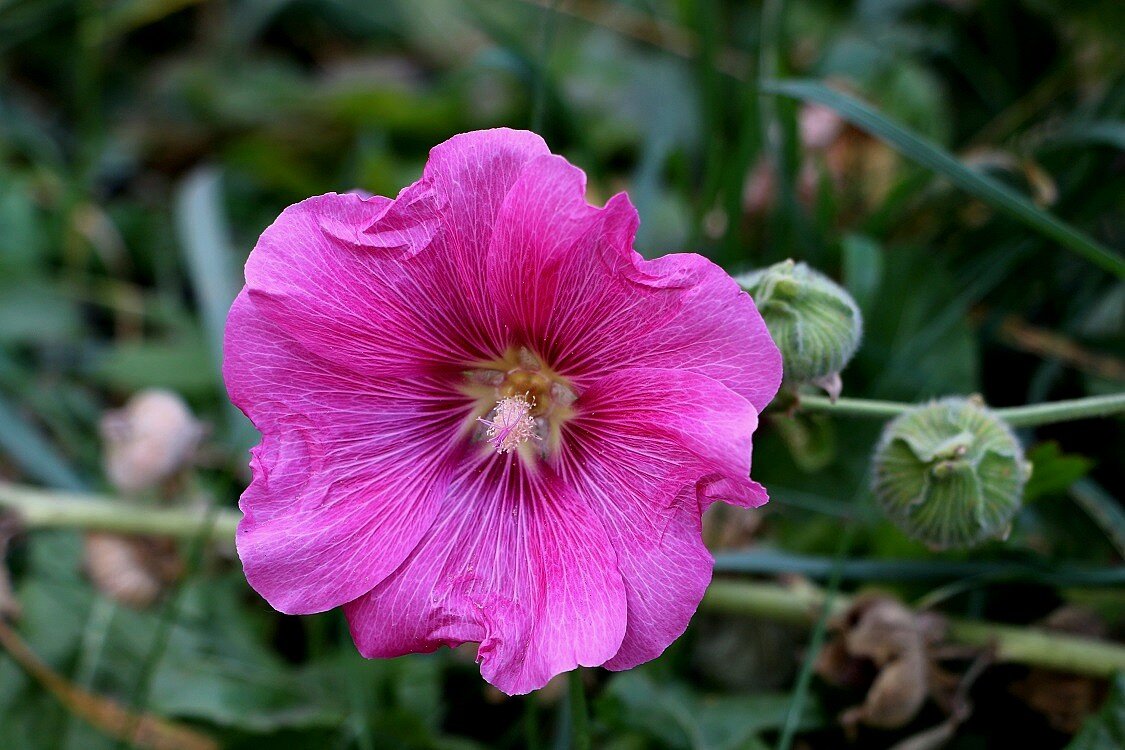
x=520 y=404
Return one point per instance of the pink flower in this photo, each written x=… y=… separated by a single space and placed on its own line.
x=485 y=418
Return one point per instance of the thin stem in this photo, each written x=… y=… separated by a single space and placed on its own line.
x=579 y=722
x=1017 y=416
x=38 y=509
x=42 y=509
x=775 y=562
x=853 y=407
x=1063 y=411
x=1022 y=645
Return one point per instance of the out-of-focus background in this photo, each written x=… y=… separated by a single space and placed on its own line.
x=144 y=145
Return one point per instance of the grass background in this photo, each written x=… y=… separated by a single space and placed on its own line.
x=973 y=203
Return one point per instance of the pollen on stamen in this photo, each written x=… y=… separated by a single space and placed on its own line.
x=512 y=424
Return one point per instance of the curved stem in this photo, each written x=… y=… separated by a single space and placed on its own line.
x=1017 y=416
x=1023 y=645
x=43 y=509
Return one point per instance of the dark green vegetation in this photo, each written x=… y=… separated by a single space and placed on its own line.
x=972 y=200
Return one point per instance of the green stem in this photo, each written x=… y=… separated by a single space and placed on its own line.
x=775 y=562
x=1063 y=411
x=42 y=509
x=1017 y=416
x=1022 y=645
x=853 y=407
x=579 y=722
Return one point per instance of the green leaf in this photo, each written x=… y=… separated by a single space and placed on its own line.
x=1105 y=729
x=1053 y=471
x=679 y=717
x=201 y=227
x=179 y=364
x=920 y=344
x=1103 y=509
x=863 y=268
x=27 y=447
x=1097 y=133
x=937 y=159
x=34 y=311
x=811 y=439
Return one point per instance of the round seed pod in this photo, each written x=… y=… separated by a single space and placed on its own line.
x=812 y=319
x=950 y=473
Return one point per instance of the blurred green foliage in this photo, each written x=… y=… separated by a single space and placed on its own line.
x=144 y=144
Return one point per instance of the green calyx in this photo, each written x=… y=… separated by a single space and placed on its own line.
x=950 y=473
x=814 y=322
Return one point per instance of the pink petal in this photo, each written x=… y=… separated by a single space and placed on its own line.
x=650 y=448
x=383 y=286
x=473 y=173
x=564 y=275
x=348 y=476
x=515 y=562
x=716 y=331
x=358 y=306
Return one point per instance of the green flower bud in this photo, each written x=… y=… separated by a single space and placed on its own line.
x=813 y=321
x=950 y=473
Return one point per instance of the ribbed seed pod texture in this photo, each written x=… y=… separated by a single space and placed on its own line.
x=950 y=473
x=814 y=321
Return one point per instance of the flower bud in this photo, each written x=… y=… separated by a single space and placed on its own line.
x=950 y=473
x=814 y=322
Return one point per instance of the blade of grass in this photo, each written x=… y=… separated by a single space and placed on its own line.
x=32 y=452
x=202 y=230
x=1103 y=508
x=201 y=227
x=768 y=562
x=1096 y=133
x=137 y=729
x=548 y=21
x=531 y=722
x=170 y=611
x=933 y=157
x=820 y=632
x=713 y=105
x=779 y=125
x=579 y=720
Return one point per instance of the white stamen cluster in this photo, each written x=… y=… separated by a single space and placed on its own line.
x=511 y=424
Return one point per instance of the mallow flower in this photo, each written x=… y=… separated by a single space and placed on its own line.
x=485 y=418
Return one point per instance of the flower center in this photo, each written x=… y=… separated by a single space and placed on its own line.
x=512 y=424
x=520 y=404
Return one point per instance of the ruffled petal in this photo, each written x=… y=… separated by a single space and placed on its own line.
x=716 y=329
x=516 y=562
x=349 y=474
x=563 y=275
x=650 y=448
x=383 y=286
x=473 y=172
x=366 y=308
